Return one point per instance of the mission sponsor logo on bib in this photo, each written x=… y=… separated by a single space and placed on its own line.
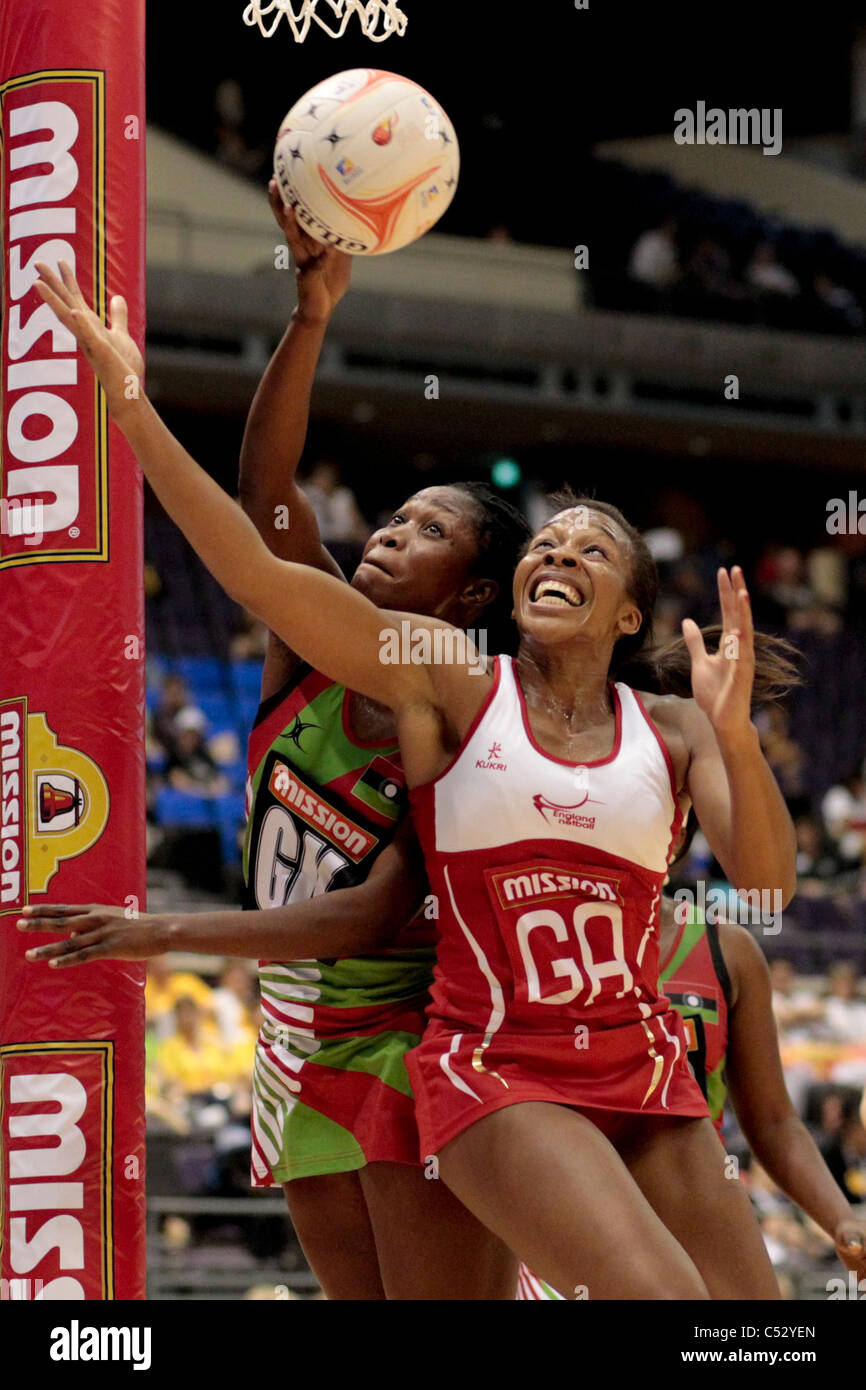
x=288 y=788
x=538 y=883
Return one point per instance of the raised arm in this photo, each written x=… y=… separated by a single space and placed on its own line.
x=277 y=424
x=348 y=922
x=775 y=1133
x=735 y=795
x=326 y=622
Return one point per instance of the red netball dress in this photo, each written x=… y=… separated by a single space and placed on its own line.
x=548 y=876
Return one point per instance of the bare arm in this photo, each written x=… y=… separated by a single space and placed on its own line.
x=775 y=1133
x=277 y=425
x=325 y=621
x=348 y=922
x=735 y=795
x=741 y=809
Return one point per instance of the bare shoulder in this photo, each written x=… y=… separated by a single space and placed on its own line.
x=676 y=721
x=437 y=711
x=672 y=711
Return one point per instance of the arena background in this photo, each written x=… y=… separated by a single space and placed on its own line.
x=546 y=372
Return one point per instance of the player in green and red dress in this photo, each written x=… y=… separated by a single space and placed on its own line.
x=322 y=805
x=717 y=978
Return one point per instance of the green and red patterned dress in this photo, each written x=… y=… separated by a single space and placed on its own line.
x=695 y=979
x=330 y=1089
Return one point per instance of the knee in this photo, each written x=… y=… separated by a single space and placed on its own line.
x=682 y=1286
x=679 y=1282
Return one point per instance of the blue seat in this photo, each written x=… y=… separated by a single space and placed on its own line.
x=174 y=807
x=230 y=816
x=247 y=677
x=218 y=709
x=202 y=673
x=248 y=709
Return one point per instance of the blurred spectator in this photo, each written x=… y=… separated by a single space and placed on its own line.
x=173 y=698
x=789 y=1236
x=815 y=858
x=337 y=512
x=667 y=620
x=231 y=145
x=235 y=1002
x=163 y=989
x=783 y=753
x=794 y=1008
x=844 y=812
x=193 y=1059
x=837 y=307
x=767 y=276
x=844 y=1151
x=654 y=259
x=709 y=272
x=191 y=767
x=250 y=642
x=844 y=1013
x=781 y=584
x=153 y=585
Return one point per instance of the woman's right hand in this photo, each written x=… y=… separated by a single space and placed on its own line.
x=111 y=351
x=323 y=273
x=94 y=933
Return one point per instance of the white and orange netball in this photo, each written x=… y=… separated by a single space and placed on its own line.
x=368 y=160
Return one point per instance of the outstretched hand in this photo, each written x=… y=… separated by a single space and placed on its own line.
x=850 y=1240
x=94 y=933
x=722 y=683
x=111 y=351
x=323 y=272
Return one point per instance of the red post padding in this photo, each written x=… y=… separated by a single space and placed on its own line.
x=72 y=797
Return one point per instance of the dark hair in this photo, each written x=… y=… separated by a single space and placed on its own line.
x=502 y=533
x=667 y=670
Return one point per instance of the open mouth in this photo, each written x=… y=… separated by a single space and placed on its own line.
x=553 y=593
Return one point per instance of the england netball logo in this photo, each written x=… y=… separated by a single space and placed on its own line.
x=557 y=814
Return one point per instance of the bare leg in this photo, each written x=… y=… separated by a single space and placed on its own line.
x=679 y=1165
x=555 y=1191
x=430 y=1246
x=330 y=1216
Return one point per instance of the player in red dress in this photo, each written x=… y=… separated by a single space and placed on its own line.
x=547 y=799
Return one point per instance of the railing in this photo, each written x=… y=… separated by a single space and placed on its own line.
x=219 y=1272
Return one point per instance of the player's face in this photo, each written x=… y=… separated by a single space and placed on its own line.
x=573 y=581
x=422 y=560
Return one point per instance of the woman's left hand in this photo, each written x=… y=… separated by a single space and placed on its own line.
x=850 y=1240
x=722 y=683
